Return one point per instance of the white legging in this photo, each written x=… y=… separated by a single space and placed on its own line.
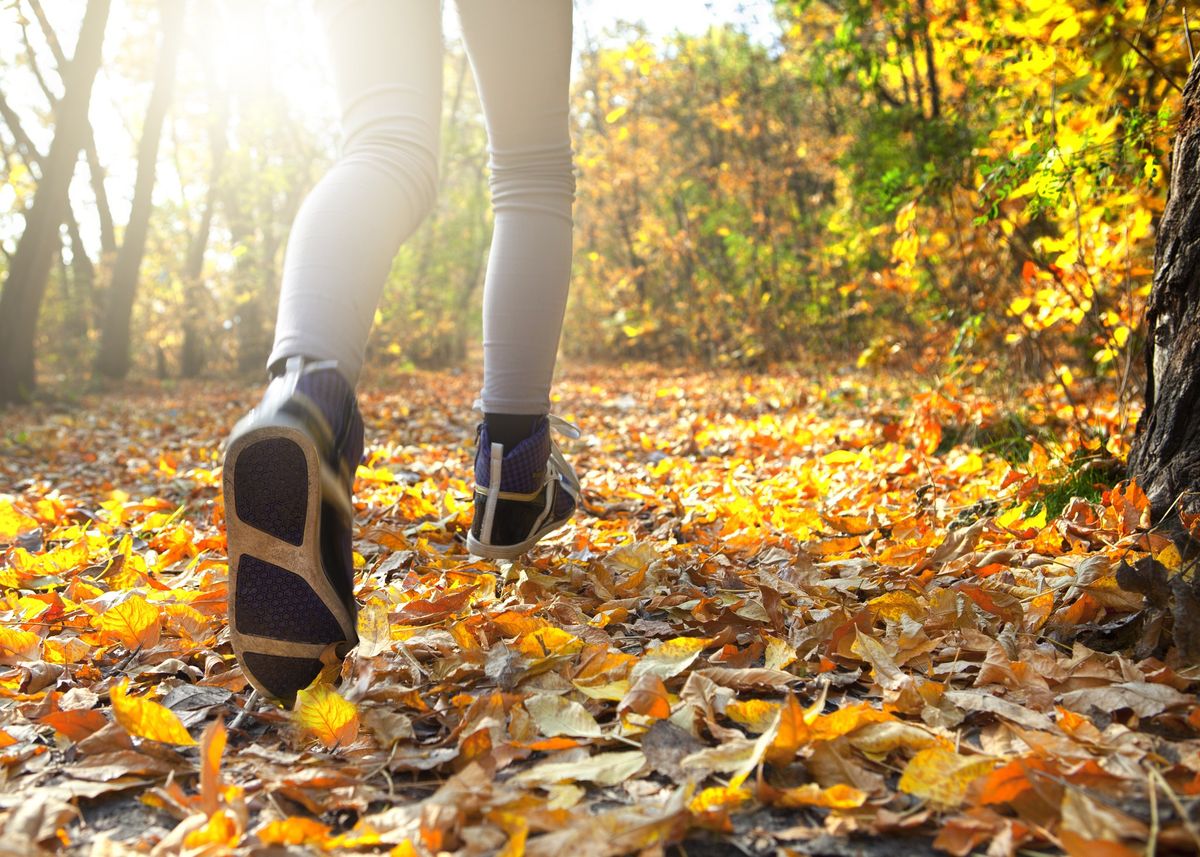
x=387 y=57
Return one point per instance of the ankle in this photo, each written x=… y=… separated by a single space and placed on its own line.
x=510 y=429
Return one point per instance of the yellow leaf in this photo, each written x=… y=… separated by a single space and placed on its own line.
x=68 y=650
x=14 y=522
x=374 y=629
x=515 y=624
x=670 y=658
x=325 y=715
x=779 y=653
x=134 y=622
x=145 y=718
x=222 y=828
x=605 y=769
x=557 y=715
x=894 y=605
x=879 y=739
x=844 y=721
x=548 y=641
x=1170 y=558
x=718 y=798
x=841 y=456
x=614 y=691
x=515 y=847
x=1019 y=305
x=941 y=776
x=17 y=645
x=293 y=830
x=615 y=114
x=755 y=714
x=1068 y=29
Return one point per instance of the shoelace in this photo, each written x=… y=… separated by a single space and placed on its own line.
x=558 y=463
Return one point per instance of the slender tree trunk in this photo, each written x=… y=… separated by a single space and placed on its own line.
x=25 y=285
x=113 y=359
x=108 y=241
x=195 y=350
x=1165 y=458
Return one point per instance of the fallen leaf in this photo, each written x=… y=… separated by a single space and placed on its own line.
x=145 y=718
x=325 y=715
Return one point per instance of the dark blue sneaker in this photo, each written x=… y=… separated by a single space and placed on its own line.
x=523 y=494
x=289 y=472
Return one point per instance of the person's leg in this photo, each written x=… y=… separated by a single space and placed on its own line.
x=289 y=465
x=520 y=52
x=387 y=62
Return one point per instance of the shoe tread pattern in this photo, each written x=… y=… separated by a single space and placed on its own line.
x=271 y=488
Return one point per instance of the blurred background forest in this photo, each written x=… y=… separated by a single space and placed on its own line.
x=960 y=186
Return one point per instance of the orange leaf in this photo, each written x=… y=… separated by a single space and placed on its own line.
x=793 y=733
x=839 y=796
x=647 y=697
x=147 y=719
x=1010 y=781
x=75 y=725
x=293 y=829
x=212 y=746
x=134 y=622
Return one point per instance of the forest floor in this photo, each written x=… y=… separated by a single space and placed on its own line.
x=848 y=615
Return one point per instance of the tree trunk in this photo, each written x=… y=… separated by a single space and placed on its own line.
x=197 y=316
x=1165 y=458
x=25 y=285
x=108 y=241
x=113 y=359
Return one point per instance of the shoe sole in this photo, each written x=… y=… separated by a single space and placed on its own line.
x=286 y=620
x=486 y=551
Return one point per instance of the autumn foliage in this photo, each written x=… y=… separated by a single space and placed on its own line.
x=792 y=607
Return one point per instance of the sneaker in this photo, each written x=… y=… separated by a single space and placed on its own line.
x=289 y=471
x=523 y=494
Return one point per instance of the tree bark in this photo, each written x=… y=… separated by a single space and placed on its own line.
x=113 y=359
x=1165 y=458
x=25 y=285
x=108 y=241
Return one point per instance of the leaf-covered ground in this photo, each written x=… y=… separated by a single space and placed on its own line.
x=838 y=616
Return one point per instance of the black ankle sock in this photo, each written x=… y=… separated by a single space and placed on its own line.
x=510 y=429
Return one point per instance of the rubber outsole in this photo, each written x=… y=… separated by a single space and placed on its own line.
x=286 y=617
x=272 y=488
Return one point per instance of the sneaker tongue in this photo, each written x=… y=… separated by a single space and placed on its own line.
x=523 y=467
